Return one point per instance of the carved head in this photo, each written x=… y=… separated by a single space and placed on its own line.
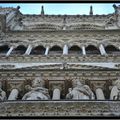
x=76 y=83
x=38 y=82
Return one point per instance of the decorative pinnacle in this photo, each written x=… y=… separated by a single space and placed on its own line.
x=91 y=10
x=42 y=10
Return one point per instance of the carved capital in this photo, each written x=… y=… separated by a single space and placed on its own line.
x=56 y=84
x=98 y=84
x=15 y=84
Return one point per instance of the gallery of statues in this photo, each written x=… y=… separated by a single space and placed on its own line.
x=59 y=65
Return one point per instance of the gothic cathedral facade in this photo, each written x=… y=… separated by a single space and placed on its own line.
x=59 y=65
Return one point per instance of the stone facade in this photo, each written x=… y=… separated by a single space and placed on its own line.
x=59 y=49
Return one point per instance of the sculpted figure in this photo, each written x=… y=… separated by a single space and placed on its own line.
x=2 y=94
x=80 y=92
x=37 y=91
x=117 y=14
x=115 y=92
x=117 y=9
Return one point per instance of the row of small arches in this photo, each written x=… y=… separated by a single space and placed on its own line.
x=90 y=49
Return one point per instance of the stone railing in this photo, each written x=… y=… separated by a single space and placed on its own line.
x=60 y=58
x=60 y=108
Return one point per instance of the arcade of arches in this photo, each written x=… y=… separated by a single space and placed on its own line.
x=56 y=50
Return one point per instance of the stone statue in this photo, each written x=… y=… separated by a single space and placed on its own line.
x=117 y=14
x=2 y=94
x=115 y=91
x=117 y=9
x=37 y=91
x=80 y=92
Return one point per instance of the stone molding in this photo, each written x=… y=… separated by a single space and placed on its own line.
x=59 y=58
x=60 y=108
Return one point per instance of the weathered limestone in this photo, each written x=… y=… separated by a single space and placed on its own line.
x=83 y=50
x=2 y=93
x=56 y=94
x=10 y=50
x=37 y=91
x=102 y=50
x=46 y=51
x=65 y=50
x=115 y=91
x=29 y=49
x=79 y=91
x=10 y=16
x=13 y=95
x=99 y=94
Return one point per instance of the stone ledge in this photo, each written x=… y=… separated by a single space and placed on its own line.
x=60 y=108
x=57 y=58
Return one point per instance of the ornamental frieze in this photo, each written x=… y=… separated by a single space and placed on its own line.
x=60 y=108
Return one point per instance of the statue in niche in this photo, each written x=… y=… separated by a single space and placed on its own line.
x=80 y=92
x=2 y=93
x=115 y=91
x=37 y=91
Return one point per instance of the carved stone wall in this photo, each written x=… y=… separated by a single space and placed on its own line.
x=60 y=108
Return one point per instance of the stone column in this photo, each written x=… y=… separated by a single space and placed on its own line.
x=9 y=51
x=29 y=49
x=56 y=94
x=102 y=50
x=114 y=93
x=65 y=50
x=47 y=50
x=83 y=50
x=13 y=95
x=100 y=94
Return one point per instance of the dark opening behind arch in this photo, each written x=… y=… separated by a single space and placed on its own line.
x=19 y=50
x=75 y=50
x=91 y=49
x=55 y=50
x=39 y=50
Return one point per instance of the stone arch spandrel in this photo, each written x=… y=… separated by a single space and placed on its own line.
x=92 y=44
x=73 y=44
x=21 y=44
